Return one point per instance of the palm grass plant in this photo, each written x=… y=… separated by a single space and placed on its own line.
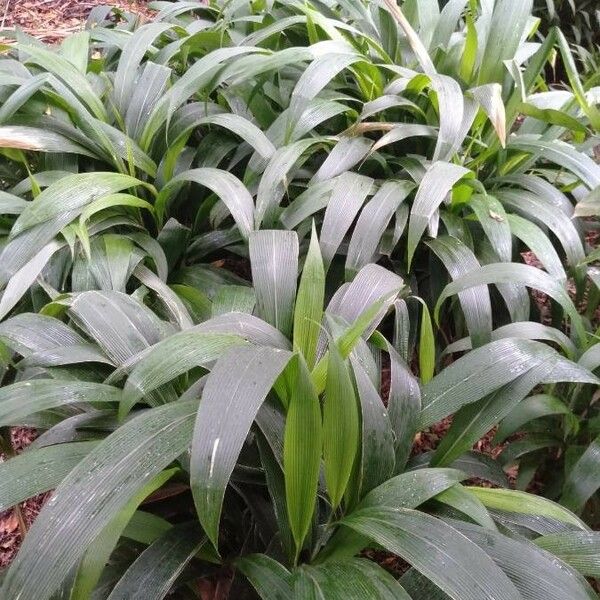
x=249 y=251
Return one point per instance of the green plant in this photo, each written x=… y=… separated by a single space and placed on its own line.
x=135 y=211
x=278 y=504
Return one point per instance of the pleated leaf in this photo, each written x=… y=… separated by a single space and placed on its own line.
x=434 y=188
x=37 y=471
x=303 y=442
x=340 y=426
x=580 y=549
x=455 y=564
x=234 y=391
x=308 y=311
x=274 y=260
x=92 y=493
x=155 y=570
x=583 y=478
x=353 y=579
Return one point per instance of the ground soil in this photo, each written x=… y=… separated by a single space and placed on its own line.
x=53 y=20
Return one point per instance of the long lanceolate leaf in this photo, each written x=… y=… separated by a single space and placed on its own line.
x=228 y=408
x=481 y=372
x=441 y=553
x=20 y=400
x=308 y=311
x=101 y=484
x=580 y=549
x=340 y=426
x=583 y=479
x=476 y=305
x=528 y=567
x=157 y=568
x=228 y=187
x=37 y=471
x=434 y=188
x=349 y=580
x=302 y=449
x=516 y=273
x=274 y=258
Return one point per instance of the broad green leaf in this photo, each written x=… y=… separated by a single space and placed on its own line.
x=37 y=471
x=440 y=552
x=68 y=73
x=346 y=154
x=308 y=311
x=151 y=85
x=120 y=325
x=537 y=241
x=372 y=222
x=506 y=30
x=489 y=97
x=589 y=206
x=103 y=482
x=340 y=426
x=131 y=56
x=407 y=490
x=24 y=278
x=302 y=449
x=92 y=565
x=315 y=77
x=434 y=188
x=35 y=139
x=228 y=187
x=426 y=346
x=233 y=298
x=459 y=260
x=515 y=273
x=170 y=300
x=475 y=375
x=273 y=182
x=579 y=549
x=246 y=326
x=173 y=357
x=226 y=413
x=534 y=407
x=472 y=421
x=145 y=527
x=21 y=95
x=19 y=400
x=347 y=197
x=532 y=570
x=592 y=112
x=374 y=287
x=377 y=458
x=155 y=570
x=69 y=194
x=521 y=502
x=493 y=219
x=544 y=213
x=271 y=579
x=353 y=579
x=563 y=154
x=404 y=405
x=413 y=39
x=457 y=498
x=527 y=330
x=274 y=261
x=583 y=478
x=11 y=204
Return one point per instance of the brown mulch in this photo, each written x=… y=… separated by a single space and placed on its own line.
x=53 y=20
